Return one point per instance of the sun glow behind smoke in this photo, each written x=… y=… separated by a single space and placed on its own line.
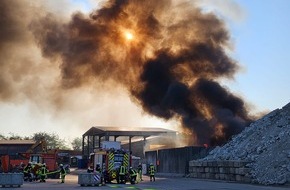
x=129 y=36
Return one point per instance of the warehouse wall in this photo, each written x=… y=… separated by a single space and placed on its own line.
x=13 y=149
x=175 y=160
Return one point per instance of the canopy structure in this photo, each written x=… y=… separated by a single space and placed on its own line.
x=95 y=135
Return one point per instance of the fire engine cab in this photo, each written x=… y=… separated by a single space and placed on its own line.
x=110 y=157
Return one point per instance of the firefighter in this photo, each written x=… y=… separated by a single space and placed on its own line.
x=140 y=171
x=90 y=169
x=133 y=175
x=152 y=172
x=36 y=171
x=122 y=173
x=62 y=173
x=27 y=172
x=21 y=166
x=43 y=172
x=99 y=169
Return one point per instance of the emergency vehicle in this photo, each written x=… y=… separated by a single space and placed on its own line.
x=110 y=157
x=37 y=154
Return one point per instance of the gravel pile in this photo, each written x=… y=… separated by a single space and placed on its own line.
x=266 y=144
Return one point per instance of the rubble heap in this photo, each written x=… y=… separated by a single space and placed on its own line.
x=265 y=144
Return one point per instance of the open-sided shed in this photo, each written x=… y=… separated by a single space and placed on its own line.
x=95 y=135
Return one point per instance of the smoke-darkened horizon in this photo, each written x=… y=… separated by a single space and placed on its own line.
x=168 y=55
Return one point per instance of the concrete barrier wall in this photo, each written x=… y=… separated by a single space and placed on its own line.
x=89 y=179
x=11 y=179
x=229 y=170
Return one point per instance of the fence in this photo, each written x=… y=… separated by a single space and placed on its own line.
x=175 y=160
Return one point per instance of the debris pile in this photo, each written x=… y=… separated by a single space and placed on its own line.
x=266 y=144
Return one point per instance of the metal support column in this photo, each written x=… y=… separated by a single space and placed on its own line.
x=107 y=137
x=88 y=145
x=130 y=143
x=115 y=137
x=144 y=144
x=94 y=143
x=83 y=145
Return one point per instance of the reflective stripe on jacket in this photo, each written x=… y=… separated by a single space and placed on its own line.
x=43 y=171
x=151 y=170
x=122 y=170
x=133 y=172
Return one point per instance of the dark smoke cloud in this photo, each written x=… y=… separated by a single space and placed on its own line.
x=170 y=67
x=12 y=35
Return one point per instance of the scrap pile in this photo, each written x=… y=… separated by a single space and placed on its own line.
x=266 y=144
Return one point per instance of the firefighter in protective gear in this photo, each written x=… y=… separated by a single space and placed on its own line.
x=62 y=173
x=140 y=171
x=133 y=175
x=152 y=172
x=99 y=170
x=43 y=173
x=122 y=173
x=90 y=169
x=27 y=172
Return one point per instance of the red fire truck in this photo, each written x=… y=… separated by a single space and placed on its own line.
x=36 y=154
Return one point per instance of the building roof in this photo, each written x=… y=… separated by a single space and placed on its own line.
x=16 y=142
x=126 y=131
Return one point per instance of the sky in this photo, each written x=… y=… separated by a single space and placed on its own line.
x=259 y=32
x=260 y=44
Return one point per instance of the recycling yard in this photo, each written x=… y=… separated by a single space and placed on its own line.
x=255 y=159
x=224 y=168
x=96 y=94
x=161 y=183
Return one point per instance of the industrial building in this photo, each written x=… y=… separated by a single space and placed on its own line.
x=152 y=145
x=11 y=147
x=133 y=139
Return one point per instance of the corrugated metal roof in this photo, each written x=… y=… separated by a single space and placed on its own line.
x=2 y=142
x=127 y=131
x=132 y=129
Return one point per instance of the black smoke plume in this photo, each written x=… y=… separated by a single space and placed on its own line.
x=170 y=67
